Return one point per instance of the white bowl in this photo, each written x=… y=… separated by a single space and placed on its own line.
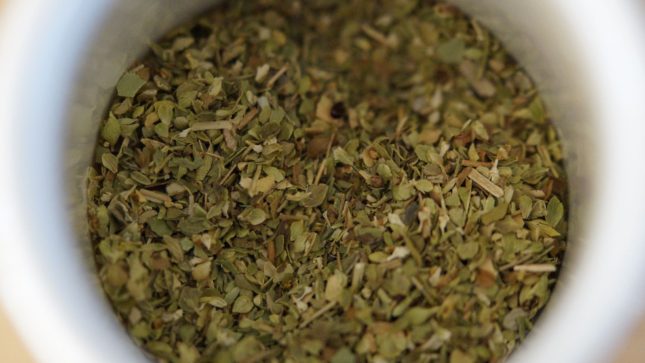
x=60 y=61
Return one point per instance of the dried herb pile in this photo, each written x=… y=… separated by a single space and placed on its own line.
x=328 y=181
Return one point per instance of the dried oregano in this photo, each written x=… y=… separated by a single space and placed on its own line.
x=328 y=181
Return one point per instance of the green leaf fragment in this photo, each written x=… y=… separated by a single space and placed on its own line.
x=341 y=156
x=166 y=111
x=275 y=173
x=424 y=186
x=111 y=130
x=423 y=152
x=391 y=344
x=554 y=211
x=187 y=353
x=242 y=305
x=458 y=356
x=160 y=227
x=403 y=191
x=162 y=130
x=110 y=162
x=247 y=348
x=343 y=355
x=129 y=84
x=335 y=286
x=468 y=250
x=496 y=214
x=103 y=218
x=138 y=279
x=254 y=216
x=316 y=197
x=160 y=349
x=451 y=51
